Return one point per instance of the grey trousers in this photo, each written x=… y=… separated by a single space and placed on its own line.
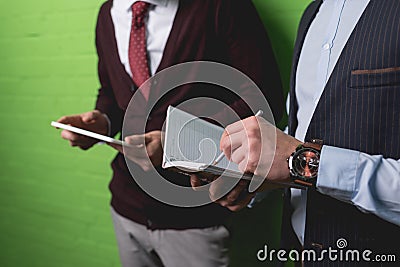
x=141 y=247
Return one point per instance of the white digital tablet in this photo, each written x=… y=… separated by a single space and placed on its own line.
x=97 y=136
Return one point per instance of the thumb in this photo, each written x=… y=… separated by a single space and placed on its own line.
x=66 y=119
x=135 y=140
x=90 y=117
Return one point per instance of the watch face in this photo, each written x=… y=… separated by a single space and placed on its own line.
x=305 y=163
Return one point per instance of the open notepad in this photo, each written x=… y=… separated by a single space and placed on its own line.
x=191 y=145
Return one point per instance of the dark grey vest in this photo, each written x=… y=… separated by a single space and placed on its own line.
x=359 y=109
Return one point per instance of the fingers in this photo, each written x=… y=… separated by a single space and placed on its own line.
x=152 y=136
x=245 y=153
x=144 y=155
x=136 y=140
x=239 y=155
x=236 y=199
x=233 y=195
x=80 y=120
x=138 y=155
x=240 y=133
x=151 y=140
x=73 y=119
x=197 y=182
x=229 y=143
x=234 y=127
x=225 y=143
x=70 y=136
x=77 y=140
x=248 y=123
x=136 y=151
x=246 y=163
x=243 y=146
x=241 y=203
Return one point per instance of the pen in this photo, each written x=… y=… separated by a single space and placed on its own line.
x=221 y=156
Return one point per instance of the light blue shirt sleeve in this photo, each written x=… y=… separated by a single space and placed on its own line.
x=371 y=183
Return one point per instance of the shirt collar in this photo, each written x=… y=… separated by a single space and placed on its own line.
x=124 y=5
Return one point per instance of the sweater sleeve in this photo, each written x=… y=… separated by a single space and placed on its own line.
x=106 y=102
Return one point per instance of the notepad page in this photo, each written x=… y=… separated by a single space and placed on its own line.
x=191 y=139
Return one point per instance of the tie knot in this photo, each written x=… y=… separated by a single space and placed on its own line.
x=139 y=11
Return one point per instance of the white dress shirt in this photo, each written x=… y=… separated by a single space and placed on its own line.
x=324 y=42
x=369 y=182
x=158 y=27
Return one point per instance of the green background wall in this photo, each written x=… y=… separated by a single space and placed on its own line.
x=54 y=200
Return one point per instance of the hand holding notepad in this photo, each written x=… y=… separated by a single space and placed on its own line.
x=143 y=149
x=192 y=145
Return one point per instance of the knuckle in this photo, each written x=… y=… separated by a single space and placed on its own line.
x=73 y=138
x=146 y=168
x=225 y=143
x=234 y=158
x=254 y=150
x=234 y=208
x=214 y=198
x=251 y=121
x=253 y=160
x=230 y=199
x=242 y=166
x=253 y=133
x=254 y=143
x=249 y=167
x=150 y=154
x=224 y=204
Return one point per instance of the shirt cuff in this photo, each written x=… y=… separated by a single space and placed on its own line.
x=337 y=172
x=257 y=198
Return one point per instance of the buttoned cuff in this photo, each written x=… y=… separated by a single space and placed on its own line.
x=337 y=172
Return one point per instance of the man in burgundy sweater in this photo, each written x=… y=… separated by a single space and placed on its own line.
x=151 y=233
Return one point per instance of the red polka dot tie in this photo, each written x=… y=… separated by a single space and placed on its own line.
x=137 y=47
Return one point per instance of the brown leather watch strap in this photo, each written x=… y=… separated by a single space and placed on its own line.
x=315 y=143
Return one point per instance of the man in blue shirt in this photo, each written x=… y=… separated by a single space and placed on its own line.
x=344 y=131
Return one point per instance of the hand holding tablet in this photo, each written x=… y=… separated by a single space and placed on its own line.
x=97 y=136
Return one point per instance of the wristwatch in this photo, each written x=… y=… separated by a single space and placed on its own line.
x=304 y=163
